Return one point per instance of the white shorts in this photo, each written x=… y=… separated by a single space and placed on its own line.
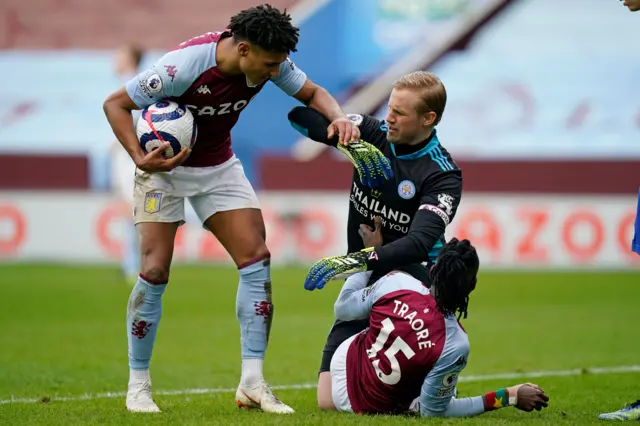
x=338 y=369
x=159 y=197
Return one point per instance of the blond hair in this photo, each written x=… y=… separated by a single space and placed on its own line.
x=433 y=93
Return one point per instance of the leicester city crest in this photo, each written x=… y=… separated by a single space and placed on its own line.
x=406 y=189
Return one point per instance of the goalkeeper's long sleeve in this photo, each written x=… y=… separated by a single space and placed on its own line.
x=372 y=165
x=439 y=202
x=311 y=124
x=427 y=228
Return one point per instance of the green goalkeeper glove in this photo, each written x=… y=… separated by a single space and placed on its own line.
x=373 y=167
x=335 y=268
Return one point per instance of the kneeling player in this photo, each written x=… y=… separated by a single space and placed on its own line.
x=412 y=353
x=415 y=206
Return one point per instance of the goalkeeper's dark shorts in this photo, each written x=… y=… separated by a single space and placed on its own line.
x=340 y=332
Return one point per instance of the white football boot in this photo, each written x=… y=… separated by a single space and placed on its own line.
x=139 y=398
x=260 y=395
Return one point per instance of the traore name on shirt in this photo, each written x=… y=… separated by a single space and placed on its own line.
x=404 y=311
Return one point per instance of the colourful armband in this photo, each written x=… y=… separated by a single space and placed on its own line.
x=495 y=400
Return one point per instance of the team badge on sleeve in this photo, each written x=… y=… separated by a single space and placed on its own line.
x=446 y=202
x=450 y=379
x=151 y=85
x=367 y=291
x=449 y=382
x=152 y=202
x=291 y=64
x=355 y=119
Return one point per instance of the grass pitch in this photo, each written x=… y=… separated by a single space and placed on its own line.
x=63 y=344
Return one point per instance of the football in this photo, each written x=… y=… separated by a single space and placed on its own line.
x=166 y=121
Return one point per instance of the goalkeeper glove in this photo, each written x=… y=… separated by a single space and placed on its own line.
x=336 y=268
x=373 y=167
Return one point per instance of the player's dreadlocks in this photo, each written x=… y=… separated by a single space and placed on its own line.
x=453 y=277
x=266 y=27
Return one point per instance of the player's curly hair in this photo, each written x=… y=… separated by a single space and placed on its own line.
x=454 y=277
x=266 y=27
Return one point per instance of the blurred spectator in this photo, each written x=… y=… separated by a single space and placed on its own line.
x=126 y=66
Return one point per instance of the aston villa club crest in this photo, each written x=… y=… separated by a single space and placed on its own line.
x=152 y=202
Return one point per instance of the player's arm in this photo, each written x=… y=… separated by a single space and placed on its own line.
x=439 y=201
x=169 y=77
x=372 y=166
x=312 y=124
x=437 y=393
x=353 y=301
x=438 y=204
x=438 y=390
x=117 y=107
x=436 y=396
x=356 y=300
x=294 y=82
x=319 y=99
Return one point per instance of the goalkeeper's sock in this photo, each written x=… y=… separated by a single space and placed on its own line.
x=143 y=315
x=255 y=312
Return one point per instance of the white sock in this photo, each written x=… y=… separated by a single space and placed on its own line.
x=139 y=376
x=251 y=371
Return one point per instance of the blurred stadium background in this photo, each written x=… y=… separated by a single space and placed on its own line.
x=543 y=117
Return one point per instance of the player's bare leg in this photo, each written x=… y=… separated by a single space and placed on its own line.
x=242 y=234
x=144 y=310
x=325 y=399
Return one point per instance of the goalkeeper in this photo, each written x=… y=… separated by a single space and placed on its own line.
x=403 y=220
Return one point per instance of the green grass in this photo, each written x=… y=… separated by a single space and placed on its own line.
x=63 y=335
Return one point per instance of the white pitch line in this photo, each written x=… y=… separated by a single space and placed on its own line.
x=551 y=373
x=105 y=395
x=210 y=391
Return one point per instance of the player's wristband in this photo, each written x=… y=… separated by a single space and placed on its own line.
x=496 y=400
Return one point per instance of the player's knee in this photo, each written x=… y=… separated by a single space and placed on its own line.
x=253 y=254
x=153 y=267
x=155 y=262
x=260 y=251
x=155 y=274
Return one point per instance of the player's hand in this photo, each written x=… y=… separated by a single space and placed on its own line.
x=346 y=130
x=335 y=268
x=372 y=166
x=372 y=237
x=529 y=397
x=633 y=5
x=154 y=162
